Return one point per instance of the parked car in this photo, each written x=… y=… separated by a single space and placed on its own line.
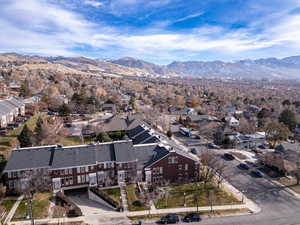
x=192 y=217
x=228 y=156
x=256 y=173
x=169 y=219
x=243 y=166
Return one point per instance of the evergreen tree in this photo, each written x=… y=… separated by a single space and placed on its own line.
x=288 y=118
x=103 y=137
x=24 y=90
x=39 y=131
x=25 y=137
x=64 y=110
x=169 y=133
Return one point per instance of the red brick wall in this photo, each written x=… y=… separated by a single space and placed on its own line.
x=172 y=172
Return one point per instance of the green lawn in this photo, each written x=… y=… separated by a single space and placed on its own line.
x=8 y=202
x=190 y=194
x=40 y=205
x=71 y=141
x=132 y=198
x=31 y=123
x=113 y=193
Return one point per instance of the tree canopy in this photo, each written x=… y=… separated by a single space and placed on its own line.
x=25 y=137
x=288 y=118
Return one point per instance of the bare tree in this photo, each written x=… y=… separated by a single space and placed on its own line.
x=276 y=132
x=212 y=168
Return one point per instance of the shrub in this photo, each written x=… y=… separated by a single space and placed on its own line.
x=137 y=203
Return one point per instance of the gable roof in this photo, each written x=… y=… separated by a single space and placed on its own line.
x=59 y=157
x=288 y=146
x=114 y=123
x=9 y=105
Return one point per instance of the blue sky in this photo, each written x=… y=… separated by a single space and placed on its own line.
x=160 y=31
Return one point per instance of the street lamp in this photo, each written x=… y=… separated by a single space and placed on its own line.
x=242 y=192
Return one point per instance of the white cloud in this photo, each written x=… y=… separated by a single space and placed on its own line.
x=191 y=16
x=44 y=28
x=93 y=3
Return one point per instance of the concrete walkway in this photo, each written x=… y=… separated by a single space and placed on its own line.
x=189 y=209
x=13 y=210
x=124 y=196
x=47 y=221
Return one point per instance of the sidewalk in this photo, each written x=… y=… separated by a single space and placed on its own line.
x=13 y=210
x=189 y=209
x=47 y=221
x=287 y=189
x=124 y=196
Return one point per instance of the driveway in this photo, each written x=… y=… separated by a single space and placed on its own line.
x=95 y=213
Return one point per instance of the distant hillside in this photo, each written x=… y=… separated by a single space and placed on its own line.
x=149 y=67
x=68 y=65
x=269 y=68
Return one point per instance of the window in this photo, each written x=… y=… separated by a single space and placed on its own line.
x=82 y=169
x=70 y=171
x=83 y=178
x=79 y=179
x=186 y=166
x=161 y=170
x=173 y=160
x=180 y=167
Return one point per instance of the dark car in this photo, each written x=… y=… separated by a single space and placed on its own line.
x=256 y=173
x=243 y=166
x=192 y=217
x=170 y=218
x=228 y=156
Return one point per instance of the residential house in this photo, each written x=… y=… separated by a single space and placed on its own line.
x=250 y=141
x=232 y=121
x=10 y=109
x=101 y=164
x=110 y=108
x=285 y=158
x=202 y=118
x=181 y=111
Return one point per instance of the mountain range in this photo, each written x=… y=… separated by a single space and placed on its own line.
x=267 y=68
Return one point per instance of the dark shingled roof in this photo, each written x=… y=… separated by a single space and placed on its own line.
x=135 y=131
x=141 y=138
x=124 y=151
x=60 y=157
x=29 y=158
x=149 y=153
x=153 y=139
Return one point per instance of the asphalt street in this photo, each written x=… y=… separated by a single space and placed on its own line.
x=278 y=206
